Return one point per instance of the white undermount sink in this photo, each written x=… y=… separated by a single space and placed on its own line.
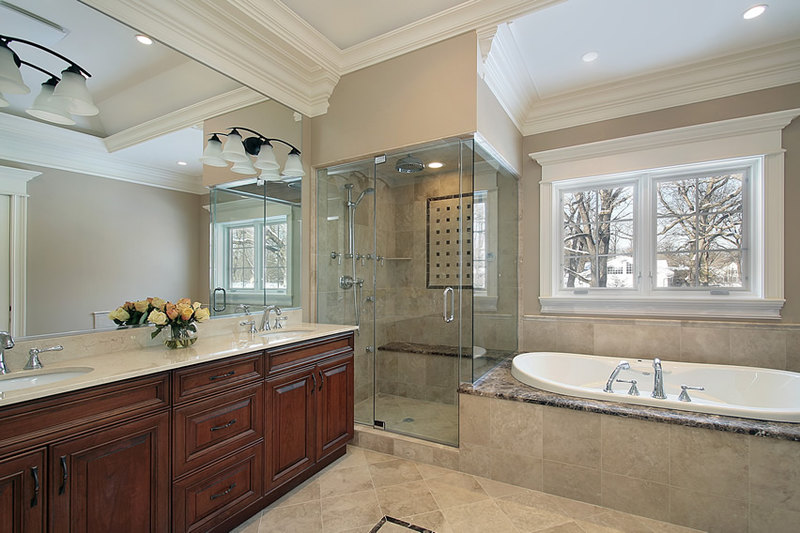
x=37 y=378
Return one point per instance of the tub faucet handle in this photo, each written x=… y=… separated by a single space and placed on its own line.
x=684 y=397
x=634 y=390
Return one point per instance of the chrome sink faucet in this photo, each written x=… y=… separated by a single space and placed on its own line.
x=33 y=361
x=623 y=365
x=265 y=317
x=658 y=380
x=6 y=343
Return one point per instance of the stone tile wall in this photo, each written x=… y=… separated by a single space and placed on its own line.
x=728 y=343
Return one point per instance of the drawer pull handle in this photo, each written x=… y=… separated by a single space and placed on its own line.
x=223 y=426
x=225 y=375
x=64 y=474
x=224 y=492
x=314 y=377
x=322 y=378
x=35 y=474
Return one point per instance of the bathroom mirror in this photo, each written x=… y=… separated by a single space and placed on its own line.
x=114 y=207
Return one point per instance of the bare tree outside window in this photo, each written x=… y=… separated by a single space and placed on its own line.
x=598 y=237
x=275 y=255
x=699 y=231
x=242 y=257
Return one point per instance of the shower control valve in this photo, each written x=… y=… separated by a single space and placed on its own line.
x=337 y=256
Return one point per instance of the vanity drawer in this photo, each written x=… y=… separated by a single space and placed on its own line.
x=207 y=430
x=208 y=497
x=197 y=381
x=295 y=355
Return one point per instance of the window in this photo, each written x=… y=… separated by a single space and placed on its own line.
x=480 y=245
x=251 y=268
x=682 y=222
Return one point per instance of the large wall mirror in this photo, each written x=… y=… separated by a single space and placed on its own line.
x=117 y=206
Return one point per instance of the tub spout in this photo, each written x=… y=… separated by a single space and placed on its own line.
x=658 y=380
x=623 y=365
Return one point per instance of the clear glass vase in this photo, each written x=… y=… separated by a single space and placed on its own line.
x=179 y=337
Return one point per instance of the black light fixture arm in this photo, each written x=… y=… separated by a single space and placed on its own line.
x=252 y=147
x=74 y=67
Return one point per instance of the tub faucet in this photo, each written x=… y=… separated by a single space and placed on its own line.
x=6 y=343
x=265 y=317
x=623 y=365
x=658 y=380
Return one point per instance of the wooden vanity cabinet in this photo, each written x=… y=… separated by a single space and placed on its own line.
x=22 y=499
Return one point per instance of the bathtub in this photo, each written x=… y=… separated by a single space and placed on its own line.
x=740 y=391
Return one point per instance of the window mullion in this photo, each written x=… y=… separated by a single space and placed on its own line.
x=645 y=235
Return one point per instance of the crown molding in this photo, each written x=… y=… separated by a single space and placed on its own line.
x=231 y=41
x=21 y=141
x=729 y=75
x=14 y=181
x=505 y=73
x=184 y=118
x=688 y=135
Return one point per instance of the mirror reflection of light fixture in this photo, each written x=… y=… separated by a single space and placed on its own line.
x=251 y=154
x=59 y=97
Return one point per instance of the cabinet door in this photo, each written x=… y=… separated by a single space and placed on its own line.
x=290 y=425
x=22 y=501
x=115 y=479
x=335 y=405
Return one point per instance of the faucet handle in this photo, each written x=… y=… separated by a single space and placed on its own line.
x=6 y=341
x=245 y=308
x=251 y=323
x=684 y=397
x=634 y=390
x=34 y=362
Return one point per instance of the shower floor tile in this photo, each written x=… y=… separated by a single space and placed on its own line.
x=409 y=416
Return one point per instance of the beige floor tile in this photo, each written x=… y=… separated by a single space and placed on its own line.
x=394 y=472
x=479 y=517
x=344 y=481
x=431 y=471
x=527 y=518
x=300 y=518
x=435 y=521
x=377 y=457
x=456 y=489
x=250 y=526
x=571 y=509
x=349 y=511
x=406 y=499
x=353 y=457
x=496 y=489
x=304 y=492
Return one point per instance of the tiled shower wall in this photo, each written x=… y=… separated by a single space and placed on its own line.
x=728 y=343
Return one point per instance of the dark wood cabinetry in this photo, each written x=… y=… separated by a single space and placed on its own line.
x=22 y=500
x=201 y=448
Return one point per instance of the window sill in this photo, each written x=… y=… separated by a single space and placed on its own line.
x=696 y=307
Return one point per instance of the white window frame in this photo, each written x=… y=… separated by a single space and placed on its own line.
x=757 y=137
x=485 y=183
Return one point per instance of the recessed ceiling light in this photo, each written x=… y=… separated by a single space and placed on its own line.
x=588 y=57
x=182 y=163
x=144 y=39
x=754 y=11
x=435 y=164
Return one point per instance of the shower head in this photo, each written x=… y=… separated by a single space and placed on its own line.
x=409 y=164
x=368 y=190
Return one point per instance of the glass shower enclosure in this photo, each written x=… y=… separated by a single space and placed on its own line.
x=408 y=249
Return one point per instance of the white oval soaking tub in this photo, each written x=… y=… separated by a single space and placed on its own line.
x=746 y=392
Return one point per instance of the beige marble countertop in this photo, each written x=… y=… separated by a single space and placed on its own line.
x=147 y=359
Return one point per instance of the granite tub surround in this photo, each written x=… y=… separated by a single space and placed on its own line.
x=117 y=355
x=499 y=383
x=715 y=474
x=765 y=345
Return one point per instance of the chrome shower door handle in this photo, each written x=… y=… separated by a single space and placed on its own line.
x=224 y=300
x=448 y=318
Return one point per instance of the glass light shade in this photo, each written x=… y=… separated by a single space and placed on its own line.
x=72 y=89
x=271 y=174
x=266 y=158
x=50 y=109
x=212 y=155
x=294 y=167
x=243 y=167
x=3 y=101
x=233 y=150
x=10 y=77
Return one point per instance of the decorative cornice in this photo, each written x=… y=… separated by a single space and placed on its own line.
x=507 y=76
x=184 y=118
x=35 y=143
x=763 y=68
x=15 y=180
x=767 y=122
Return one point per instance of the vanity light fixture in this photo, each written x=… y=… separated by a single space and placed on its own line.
x=251 y=153
x=59 y=97
x=755 y=11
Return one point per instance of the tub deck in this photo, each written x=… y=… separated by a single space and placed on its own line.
x=499 y=383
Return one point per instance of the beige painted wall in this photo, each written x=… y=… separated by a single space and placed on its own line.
x=422 y=96
x=271 y=119
x=498 y=129
x=94 y=243
x=769 y=100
